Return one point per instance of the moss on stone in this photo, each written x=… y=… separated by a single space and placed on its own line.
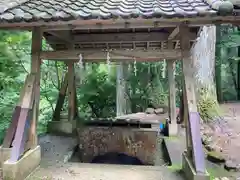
x=215 y=157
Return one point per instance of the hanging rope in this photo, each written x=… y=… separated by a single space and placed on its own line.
x=164 y=69
x=80 y=62
x=135 y=67
x=108 y=63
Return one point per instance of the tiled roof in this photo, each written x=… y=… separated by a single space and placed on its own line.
x=48 y=10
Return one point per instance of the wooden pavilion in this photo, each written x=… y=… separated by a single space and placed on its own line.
x=124 y=30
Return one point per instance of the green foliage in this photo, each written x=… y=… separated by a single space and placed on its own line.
x=208 y=106
x=227 y=59
x=97 y=94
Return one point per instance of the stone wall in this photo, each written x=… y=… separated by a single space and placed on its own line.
x=95 y=141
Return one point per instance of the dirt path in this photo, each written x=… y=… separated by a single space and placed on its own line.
x=224 y=134
x=84 y=171
x=229 y=131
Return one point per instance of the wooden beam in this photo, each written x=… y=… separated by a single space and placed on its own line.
x=35 y=69
x=115 y=55
x=174 y=34
x=61 y=98
x=193 y=136
x=62 y=35
x=71 y=92
x=115 y=37
x=185 y=47
x=172 y=91
x=121 y=23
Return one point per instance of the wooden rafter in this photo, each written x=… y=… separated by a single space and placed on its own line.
x=116 y=37
x=115 y=55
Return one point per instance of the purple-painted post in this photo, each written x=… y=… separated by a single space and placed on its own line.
x=198 y=154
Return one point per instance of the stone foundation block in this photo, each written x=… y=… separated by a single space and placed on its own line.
x=4 y=155
x=62 y=127
x=23 y=167
x=189 y=170
x=173 y=129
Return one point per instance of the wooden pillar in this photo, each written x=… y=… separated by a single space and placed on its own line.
x=71 y=92
x=35 y=69
x=173 y=128
x=61 y=98
x=188 y=83
x=195 y=152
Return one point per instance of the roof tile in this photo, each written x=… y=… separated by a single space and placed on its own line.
x=33 y=10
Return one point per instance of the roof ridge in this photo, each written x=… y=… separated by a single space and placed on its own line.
x=222 y=6
x=4 y=6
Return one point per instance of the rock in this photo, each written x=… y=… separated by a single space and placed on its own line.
x=149 y=111
x=225 y=178
x=159 y=111
x=209 y=147
x=231 y=165
x=206 y=139
x=215 y=157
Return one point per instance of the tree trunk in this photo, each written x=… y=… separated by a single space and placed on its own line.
x=121 y=90
x=238 y=72
x=218 y=76
x=203 y=54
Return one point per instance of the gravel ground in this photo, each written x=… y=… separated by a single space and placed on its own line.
x=84 y=171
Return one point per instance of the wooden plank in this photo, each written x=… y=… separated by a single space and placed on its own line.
x=35 y=69
x=12 y=128
x=61 y=98
x=19 y=140
x=198 y=154
x=114 y=37
x=71 y=94
x=172 y=91
x=115 y=55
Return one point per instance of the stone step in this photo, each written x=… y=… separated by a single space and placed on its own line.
x=159 y=159
x=174 y=147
